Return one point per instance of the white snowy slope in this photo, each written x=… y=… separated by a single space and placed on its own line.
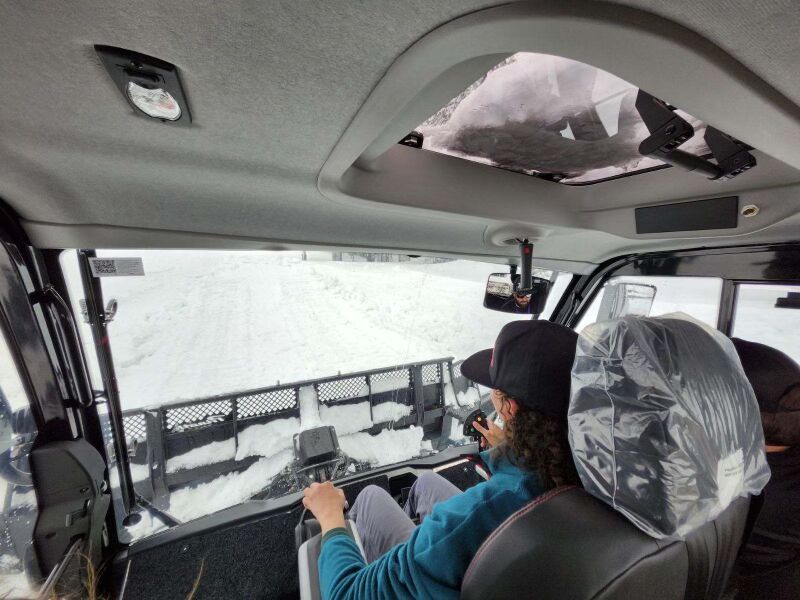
x=205 y=323
x=227 y=490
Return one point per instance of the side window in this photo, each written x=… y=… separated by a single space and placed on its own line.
x=760 y=318
x=18 y=512
x=698 y=297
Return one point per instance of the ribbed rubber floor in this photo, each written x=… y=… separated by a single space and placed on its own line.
x=254 y=560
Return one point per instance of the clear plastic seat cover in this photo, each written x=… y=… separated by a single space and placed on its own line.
x=663 y=424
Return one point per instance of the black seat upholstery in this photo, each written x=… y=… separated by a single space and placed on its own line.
x=567 y=544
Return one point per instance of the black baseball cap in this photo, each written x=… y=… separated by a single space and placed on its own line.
x=532 y=362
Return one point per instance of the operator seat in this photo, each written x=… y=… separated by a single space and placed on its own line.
x=568 y=544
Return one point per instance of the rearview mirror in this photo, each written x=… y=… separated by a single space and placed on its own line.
x=625 y=299
x=500 y=295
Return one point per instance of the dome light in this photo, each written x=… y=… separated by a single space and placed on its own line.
x=156 y=102
x=151 y=86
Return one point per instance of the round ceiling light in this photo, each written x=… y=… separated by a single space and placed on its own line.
x=155 y=102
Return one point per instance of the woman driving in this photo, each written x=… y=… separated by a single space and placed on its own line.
x=529 y=373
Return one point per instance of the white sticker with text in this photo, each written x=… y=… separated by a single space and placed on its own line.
x=116 y=267
x=730 y=477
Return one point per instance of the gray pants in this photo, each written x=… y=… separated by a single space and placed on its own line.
x=380 y=521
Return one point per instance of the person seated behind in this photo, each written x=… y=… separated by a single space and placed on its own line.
x=529 y=372
x=774 y=545
x=518 y=303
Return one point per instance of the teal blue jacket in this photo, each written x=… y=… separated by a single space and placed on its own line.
x=432 y=563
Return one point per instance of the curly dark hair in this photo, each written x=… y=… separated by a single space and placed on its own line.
x=539 y=443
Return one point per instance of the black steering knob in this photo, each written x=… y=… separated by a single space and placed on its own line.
x=476 y=416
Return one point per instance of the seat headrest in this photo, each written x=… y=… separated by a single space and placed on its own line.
x=663 y=424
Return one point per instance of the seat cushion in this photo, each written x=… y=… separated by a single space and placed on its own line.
x=308 y=554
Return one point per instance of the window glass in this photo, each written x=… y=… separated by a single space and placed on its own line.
x=17 y=494
x=560 y=283
x=232 y=355
x=551 y=117
x=757 y=319
x=698 y=297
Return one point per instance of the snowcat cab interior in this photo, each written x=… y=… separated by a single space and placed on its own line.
x=246 y=246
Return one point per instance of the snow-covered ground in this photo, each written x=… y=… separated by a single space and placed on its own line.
x=13 y=580
x=757 y=318
x=205 y=323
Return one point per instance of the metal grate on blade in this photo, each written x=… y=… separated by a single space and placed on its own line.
x=197 y=416
x=133 y=425
x=401 y=376
x=432 y=373
x=266 y=403
x=457 y=369
x=342 y=389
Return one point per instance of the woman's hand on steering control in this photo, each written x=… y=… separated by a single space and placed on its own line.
x=326 y=502
x=493 y=434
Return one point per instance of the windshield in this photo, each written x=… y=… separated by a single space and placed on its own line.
x=551 y=117
x=229 y=356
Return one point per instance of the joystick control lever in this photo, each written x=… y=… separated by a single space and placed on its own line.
x=469 y=428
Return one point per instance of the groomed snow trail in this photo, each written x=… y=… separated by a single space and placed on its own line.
x=202 y=323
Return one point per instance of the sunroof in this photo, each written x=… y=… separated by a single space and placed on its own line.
x=549 y=117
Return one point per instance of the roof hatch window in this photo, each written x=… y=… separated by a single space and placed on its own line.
x=549 y=117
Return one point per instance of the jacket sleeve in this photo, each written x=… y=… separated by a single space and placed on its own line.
x=340 y=561
x=344 y=575
x=430 y=564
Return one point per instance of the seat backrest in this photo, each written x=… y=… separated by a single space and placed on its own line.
x=667 y=440
x=567 y=544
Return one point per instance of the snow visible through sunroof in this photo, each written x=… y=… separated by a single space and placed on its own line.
x=548 y=116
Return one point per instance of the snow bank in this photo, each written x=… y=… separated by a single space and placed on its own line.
x=449 y=393
x=309 y=407
x=390 y=384
x=469 y=397
x=147 y=526
x=139 y=472
x=15 y=584
x=346 y=418
x=9 y=561
x=456 y=432
x=390 y=411
x=388 y=447
x=24 y=499
x=267 y=439
x=227 y=490
x=204 y=455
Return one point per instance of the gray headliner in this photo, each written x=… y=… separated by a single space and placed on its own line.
x=273 y=86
